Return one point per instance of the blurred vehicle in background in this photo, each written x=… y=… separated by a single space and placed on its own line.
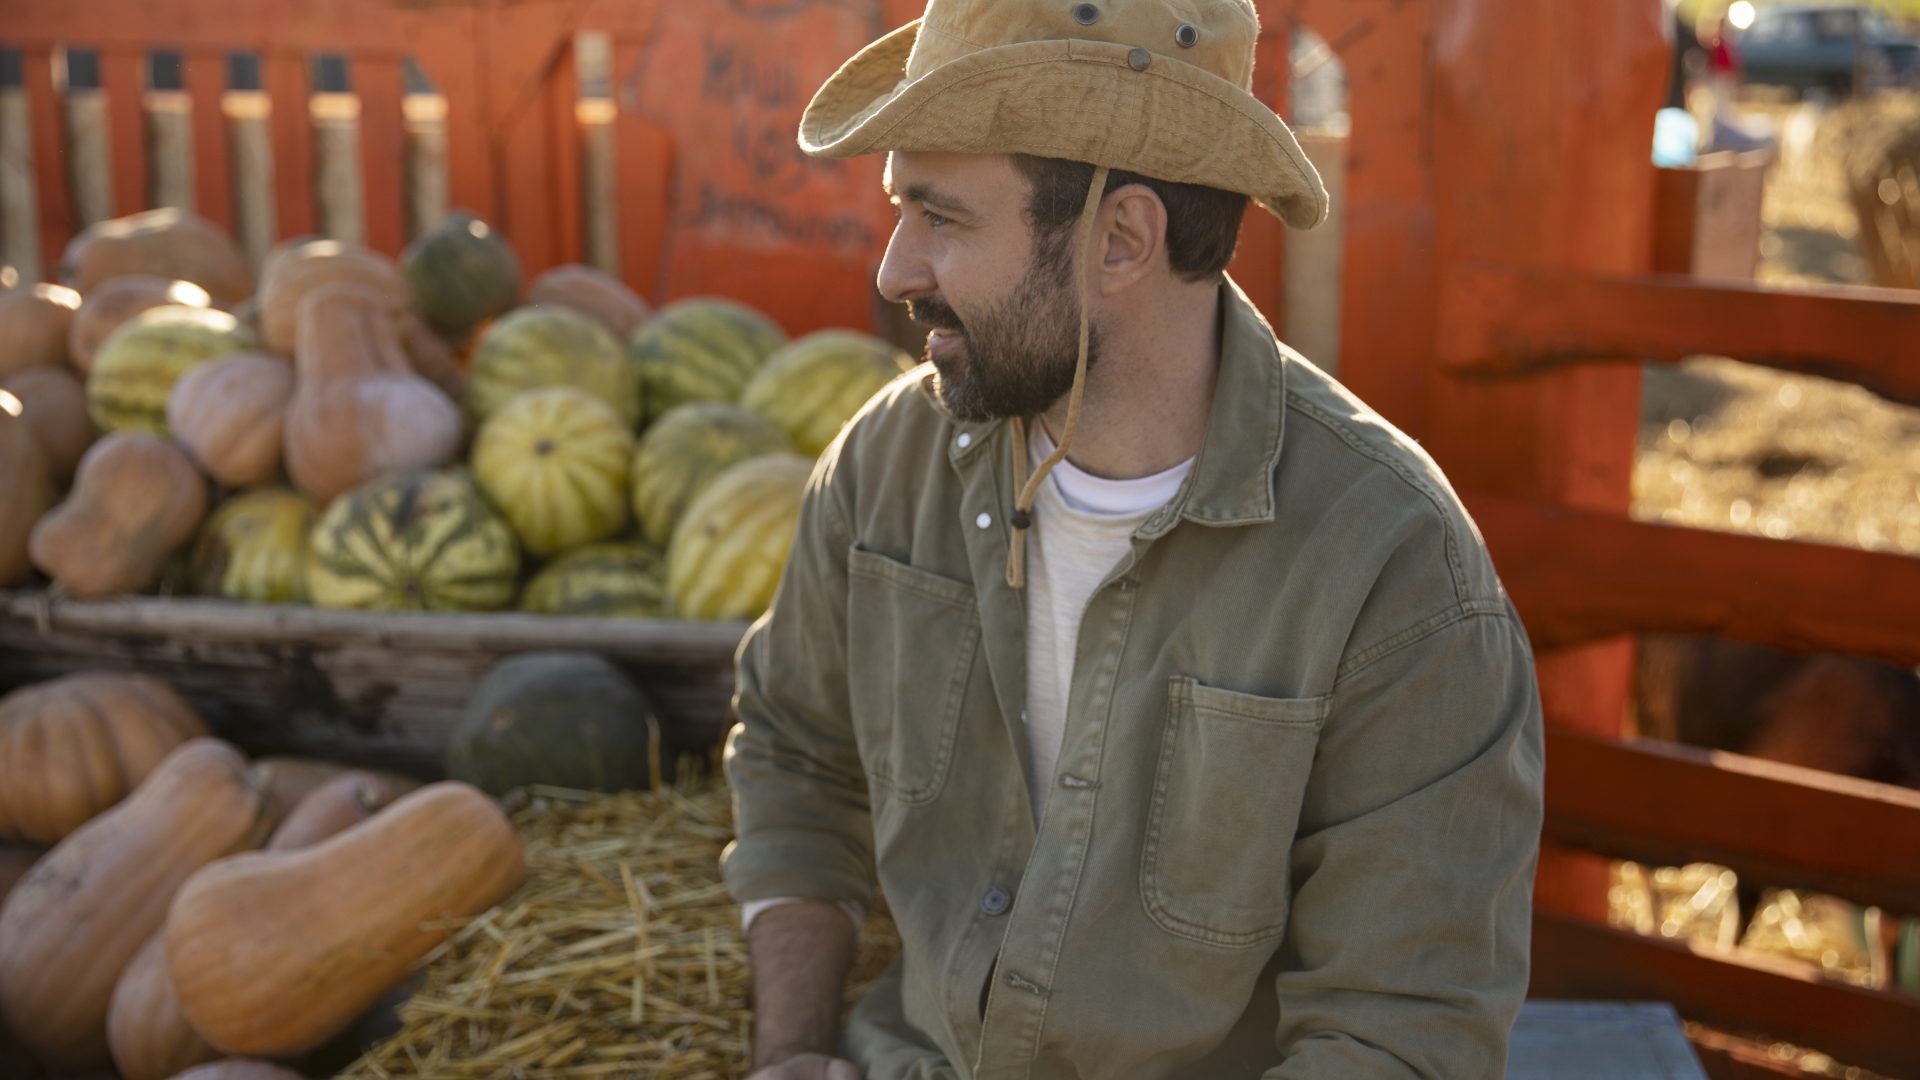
x=1839 y=48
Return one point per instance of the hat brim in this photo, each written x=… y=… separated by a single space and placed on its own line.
x=1070 y=99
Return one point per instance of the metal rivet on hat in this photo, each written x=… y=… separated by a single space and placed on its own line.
x=1086 y=14
x=1187 y=35
x=1138 y=59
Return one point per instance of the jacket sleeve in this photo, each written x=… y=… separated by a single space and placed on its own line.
x=801 y=817
x=1407 y=944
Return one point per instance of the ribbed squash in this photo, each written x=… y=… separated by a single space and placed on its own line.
x=686 y=449
x=555 y=462
x=548 y=346
x=72 y=747
x=811 y=387
x=27 y=479
x=69 y=930
x=135 y=370
x=169 y=243
x=703 y=349
x=136 y=500
x=299 y=269
x=414 y=540
x=33 y=327
x=116 y=300
x=594 y=293
x=54 y=405
x=229 y=414
x=461 y=272
x=613 y=579
x=730 y=549
x=253 y=547
x=358 y=408
x=565 y=719
x=367 y=903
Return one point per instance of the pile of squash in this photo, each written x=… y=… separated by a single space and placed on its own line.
x=166 y=904
x=413 y=434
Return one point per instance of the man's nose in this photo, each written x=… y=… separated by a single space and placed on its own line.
x=904 y=275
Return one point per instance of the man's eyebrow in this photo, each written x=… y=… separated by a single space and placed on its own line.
x=928 y=195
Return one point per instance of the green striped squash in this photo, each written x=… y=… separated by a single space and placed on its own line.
x=413 y=540
x=461 y=273
x=731 y=547
x=254 y=547
x=616 y=578
x=685 y=449
x=703 y=349
x=549 y=346
x=135 y=368
x=811 y=387
x=555 y=461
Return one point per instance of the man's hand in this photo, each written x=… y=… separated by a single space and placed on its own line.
x=809 y=1067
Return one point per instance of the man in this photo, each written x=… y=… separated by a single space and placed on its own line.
x=1168 y=689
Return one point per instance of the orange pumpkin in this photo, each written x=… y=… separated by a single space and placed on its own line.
x=358 y=407
x=168 y=242
x=71 y=927
x=229 y=414
x=115 y=301
x=33 y=327
x=136 y=499
x=55 y=407
x=594 y=293
x=27 y=480
x=276 y=952
x=72 y=747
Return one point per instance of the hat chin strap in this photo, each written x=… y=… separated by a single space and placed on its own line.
x=1029 y=486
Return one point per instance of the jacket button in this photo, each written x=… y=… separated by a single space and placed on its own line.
x=996 y=901
x=965 y=440
x=983 y=520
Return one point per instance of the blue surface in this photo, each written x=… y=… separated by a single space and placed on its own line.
x=1593 y=1040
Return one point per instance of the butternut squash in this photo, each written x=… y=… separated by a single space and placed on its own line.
x=54 y=405
x=146 y=1032
x=229 y=414
x=334 y=807
x=294 y=272
x=239 y=1069
x=276 y=952
x=14 y=864
x=27 y=480
x=71 y=927
x=358 y=407
x=136 y=499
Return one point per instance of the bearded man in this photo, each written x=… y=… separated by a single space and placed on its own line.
x=1167 y=689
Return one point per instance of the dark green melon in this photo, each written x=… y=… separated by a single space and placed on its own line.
x=560 y=719
x=461 y=273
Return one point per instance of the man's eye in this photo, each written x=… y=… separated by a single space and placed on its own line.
x=934 y=220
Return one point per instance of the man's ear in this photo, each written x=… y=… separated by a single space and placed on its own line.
x=1134 y=223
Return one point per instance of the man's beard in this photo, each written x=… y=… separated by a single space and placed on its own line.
x=1017 y=357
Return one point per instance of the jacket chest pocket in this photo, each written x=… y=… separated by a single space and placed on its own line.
x=913 y=637
x=1232 y=771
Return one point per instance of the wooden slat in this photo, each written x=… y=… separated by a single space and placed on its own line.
x=1868 y=1028
x=333 y=26
x=1498 y=321
x=1773 y=824
x=643 y=158
x=568 y=207
x=206 y=81
x=452 y=47
x=288 y=87
x=58 y=222
x=123 y=76
x=380 y=84
x=1579 y=576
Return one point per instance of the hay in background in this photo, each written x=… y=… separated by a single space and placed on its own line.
x=621 y=956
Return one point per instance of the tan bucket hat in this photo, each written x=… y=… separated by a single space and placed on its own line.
x=1161 y=88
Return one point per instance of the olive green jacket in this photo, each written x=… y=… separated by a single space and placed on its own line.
x=1294 y=824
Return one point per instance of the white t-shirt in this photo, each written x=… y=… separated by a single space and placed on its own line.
x=1083 y=525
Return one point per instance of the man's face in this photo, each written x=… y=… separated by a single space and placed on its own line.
x=998 y=306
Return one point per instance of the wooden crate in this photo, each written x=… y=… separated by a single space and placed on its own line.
x=372 y=688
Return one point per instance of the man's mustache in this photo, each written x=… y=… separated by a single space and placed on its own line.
x=934 y=315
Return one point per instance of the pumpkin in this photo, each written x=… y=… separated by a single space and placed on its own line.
x=336 y=806
x=594 y=293
x=108 y=307
x=239 y=1069
x=414 y=540
x=461 y=272
x=27 y=480
x=135 y=370
x=14 y=864
x=566 y=719
x=254 y=548
x=146 y=1033
x=136 y=499
x=228 y=415
x=169 y=243
x=368 y=903
x=294 y=273
x=358 y=409
x=72 y=747
x=684 y=450
x=549 y=346
x=554 y=461
x=54 y=405
x=433 y=359
x=33 y=327
x=71 y=927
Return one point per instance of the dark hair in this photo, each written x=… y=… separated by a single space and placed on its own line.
x=1203 y=223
